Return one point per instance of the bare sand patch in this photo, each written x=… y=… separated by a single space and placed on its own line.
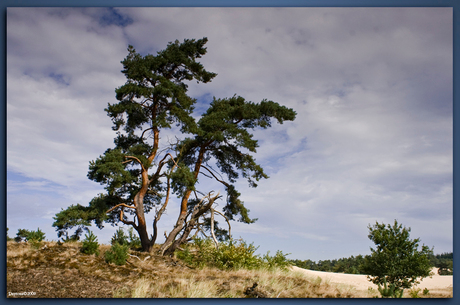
x=436 y=283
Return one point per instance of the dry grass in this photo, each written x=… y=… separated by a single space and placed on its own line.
x=212 y=283
x=62 y=271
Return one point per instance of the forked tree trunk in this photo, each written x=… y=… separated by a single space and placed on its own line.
x=170 y=240
x=198 y=211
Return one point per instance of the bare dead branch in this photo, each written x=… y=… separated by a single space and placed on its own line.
x=228 y=222
x=212 y=229
x=134 y=256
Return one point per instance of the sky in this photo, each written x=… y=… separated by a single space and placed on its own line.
x=372 y=141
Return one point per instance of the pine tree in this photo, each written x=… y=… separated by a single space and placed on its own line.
x=139 y=175
x=153 y=98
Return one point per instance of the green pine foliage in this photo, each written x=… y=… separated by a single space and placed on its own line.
x=90 y=244
x=153 y=98
x=32 y=236
x=139 y=174
x=79 y=217
x=131 y=240
x=223 y=135
x=119 y=237
x=117 y=254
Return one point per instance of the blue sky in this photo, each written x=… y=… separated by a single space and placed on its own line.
x=372 y=140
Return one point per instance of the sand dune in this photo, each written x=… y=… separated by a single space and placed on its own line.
x=360 y=282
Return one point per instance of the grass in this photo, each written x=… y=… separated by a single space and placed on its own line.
x=62 y=271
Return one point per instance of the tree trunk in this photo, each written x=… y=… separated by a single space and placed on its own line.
x=143 y=235
x=139 y=203
x=183 y=210
x=199 y=210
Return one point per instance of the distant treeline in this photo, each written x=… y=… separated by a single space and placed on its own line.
x=445 y=263
x=353 y=265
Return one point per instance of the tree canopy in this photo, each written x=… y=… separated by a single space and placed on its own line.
x=396 y=260
x=223 y=139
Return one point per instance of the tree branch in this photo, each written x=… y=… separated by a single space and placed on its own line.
x=228 y=222
x=137 y=160
x=160 y=166
x=121 y=205
x=132 y=223
x=142 y=135
x=212 y=229
x=163 y=207
x=221 y=181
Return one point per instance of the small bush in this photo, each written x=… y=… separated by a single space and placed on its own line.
x=277 y=261
x=90 y=244
x=131 y=239
x=414 y=293
x=118 y=254
x=37 y=236
x=134 y=240
x=119 y=237
x=231 y=255
x=33 y=236
x=390 y=291
x=236 y=255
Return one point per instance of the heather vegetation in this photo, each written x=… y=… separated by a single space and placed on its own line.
x=66 y=271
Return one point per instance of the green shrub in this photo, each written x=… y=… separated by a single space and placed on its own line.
x=119 y=237
x=131 y=239
x=414 y=293
x=230 y=255
x=278 y=261
x=90 y=244
x=134 y=240
x=236 y=255
x=37 y=236
x=118 y=254
x=390 y=291
x=33 y=236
